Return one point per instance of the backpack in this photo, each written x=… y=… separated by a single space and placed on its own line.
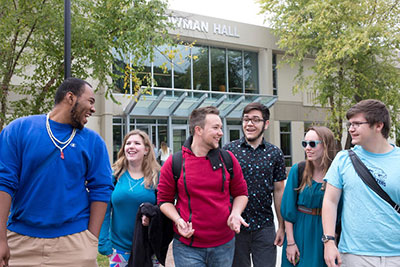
x=300 y=169
x=177 y=164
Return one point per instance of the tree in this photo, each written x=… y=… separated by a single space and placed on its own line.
x=32 y=46
x=355 y=46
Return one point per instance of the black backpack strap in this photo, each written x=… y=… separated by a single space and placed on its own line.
x=176 y=169
x=226 y=157
x=369 y=180
x=300 y=169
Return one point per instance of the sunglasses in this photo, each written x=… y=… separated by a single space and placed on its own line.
x=312 y=144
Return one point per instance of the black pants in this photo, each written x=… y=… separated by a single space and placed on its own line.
x=258 y=243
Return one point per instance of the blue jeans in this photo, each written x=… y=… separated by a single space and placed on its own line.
x=186 y=256
x=258 y=243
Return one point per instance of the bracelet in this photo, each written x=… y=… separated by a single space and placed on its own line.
x=289 y=245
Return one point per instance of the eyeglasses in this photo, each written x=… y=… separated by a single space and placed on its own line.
x=312 y=144
x=254 y=120
x=355 y=124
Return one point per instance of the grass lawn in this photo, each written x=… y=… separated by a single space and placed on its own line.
x=102 y=261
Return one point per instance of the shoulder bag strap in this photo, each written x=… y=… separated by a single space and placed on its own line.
x=369 y=180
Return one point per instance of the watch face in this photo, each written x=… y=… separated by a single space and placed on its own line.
x=326 y=238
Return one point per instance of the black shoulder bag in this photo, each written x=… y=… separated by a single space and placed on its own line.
x=369 y=180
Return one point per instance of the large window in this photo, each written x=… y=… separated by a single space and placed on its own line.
x=286 y=145
x=199 y=68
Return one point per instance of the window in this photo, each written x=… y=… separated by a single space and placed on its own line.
x=251 y=72
x=201 y=76
x=235 y=71
x=274 y=75
x=286 y=146
x=193 y=67
x=218 y=69
x=118 y=136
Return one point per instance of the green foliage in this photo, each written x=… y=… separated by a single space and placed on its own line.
x=32 y=45
x=355 y=45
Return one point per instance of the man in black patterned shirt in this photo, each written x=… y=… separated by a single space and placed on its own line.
x=263 y=167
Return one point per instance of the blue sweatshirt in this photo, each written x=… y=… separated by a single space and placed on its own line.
x=119 y=223
x=51 y=196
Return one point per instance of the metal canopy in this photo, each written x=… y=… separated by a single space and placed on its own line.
x=166 y=102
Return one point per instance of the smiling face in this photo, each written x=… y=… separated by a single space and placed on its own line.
x=314 y=154
x=361 y=134
x=212 y=132
x=135 y=149
x=254 y=126
x=83 y=108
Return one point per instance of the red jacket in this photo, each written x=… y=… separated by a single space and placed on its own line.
x=201 y=199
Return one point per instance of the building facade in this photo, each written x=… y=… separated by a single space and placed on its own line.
x=217 y=62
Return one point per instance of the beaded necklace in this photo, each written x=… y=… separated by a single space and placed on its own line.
x=55 y=140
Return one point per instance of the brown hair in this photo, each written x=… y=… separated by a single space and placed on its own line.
x=329 y=144
x=374 y=111
x=198 y=116
x=150 y=167
x=257 y=106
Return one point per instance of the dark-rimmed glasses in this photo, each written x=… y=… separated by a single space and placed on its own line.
x=312 y=143
x=254 y=120
x=355 y=124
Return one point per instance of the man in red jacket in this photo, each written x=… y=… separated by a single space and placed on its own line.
x=205 y=220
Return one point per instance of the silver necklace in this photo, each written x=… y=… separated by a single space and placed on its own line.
x=130 y=185
x=55 y=140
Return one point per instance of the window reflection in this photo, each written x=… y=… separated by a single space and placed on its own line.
x=235 y=71
x=182 y=70
x=201 y=75
x=251 y=72
x=162 y=67
x=218 y=69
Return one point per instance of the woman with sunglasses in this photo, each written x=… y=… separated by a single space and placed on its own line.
x=302 y=201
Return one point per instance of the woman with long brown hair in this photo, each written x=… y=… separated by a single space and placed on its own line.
x=135 y=177
x=302 y=201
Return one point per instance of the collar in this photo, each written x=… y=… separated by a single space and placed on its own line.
x=243 y=142
x=213 y=155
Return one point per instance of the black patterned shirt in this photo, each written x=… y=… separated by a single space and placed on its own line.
x=261 y=168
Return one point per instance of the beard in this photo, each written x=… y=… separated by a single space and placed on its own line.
x=75 y=116
x=252 y=139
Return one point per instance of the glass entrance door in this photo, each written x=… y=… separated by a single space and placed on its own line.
x=234 y=132
x=179 y=133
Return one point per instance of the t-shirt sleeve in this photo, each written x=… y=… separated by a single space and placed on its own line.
x=333 y=176
x=279 y=166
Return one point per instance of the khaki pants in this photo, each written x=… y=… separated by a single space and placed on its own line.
x=351 y=260
x=75 y=250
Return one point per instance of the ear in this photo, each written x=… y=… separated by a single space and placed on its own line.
x=70 y=98
x=266 y=125
x=198 y=130
x=379 y=126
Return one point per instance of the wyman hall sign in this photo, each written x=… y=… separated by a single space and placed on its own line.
x=203 y=26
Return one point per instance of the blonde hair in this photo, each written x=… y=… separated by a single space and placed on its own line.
x=150 y=167
x=164 y=147
x=330 y=150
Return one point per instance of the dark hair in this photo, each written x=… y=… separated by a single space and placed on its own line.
x=74 y=85
x=257 y=106
x=198 y=116
x=374 y=112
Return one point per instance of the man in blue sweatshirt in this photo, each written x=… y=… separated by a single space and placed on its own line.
x=56 y=178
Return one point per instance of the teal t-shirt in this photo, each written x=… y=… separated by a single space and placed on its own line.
x=370 y=226
x=119 y=223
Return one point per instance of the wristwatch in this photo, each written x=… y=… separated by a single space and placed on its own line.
x=326 y=238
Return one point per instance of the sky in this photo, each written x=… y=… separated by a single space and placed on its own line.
x=237 y=10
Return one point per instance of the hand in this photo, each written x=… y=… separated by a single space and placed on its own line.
x=280 y=235
x=145 y=220
x=331 y=255
x=184 y=228
x=292 y=253
x=4 y=253
x=235 y=221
